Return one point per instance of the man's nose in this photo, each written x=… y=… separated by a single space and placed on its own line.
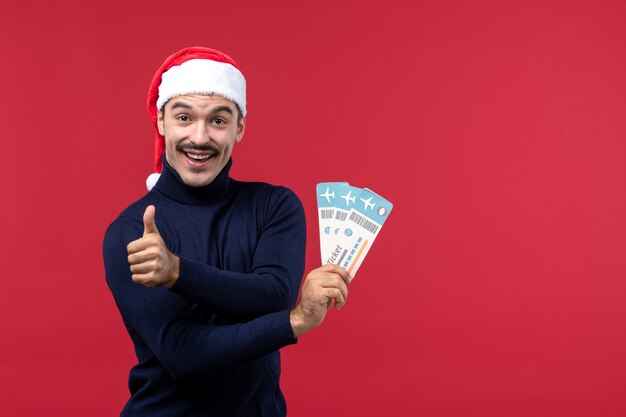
x=201 y=134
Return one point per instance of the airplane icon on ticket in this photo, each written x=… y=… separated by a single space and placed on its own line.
x=348 y=198
x=327 y=195
x=368 y=203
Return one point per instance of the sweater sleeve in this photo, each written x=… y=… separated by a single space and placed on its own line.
x=277 y=267
x=164 y=321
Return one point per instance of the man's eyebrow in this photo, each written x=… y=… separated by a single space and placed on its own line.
x=223 y=108
x=180 y=104
x=183 y=105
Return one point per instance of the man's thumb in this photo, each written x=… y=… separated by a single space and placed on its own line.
x=148 y=221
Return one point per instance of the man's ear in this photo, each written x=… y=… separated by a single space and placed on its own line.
x=160 y=116
x=241 y=128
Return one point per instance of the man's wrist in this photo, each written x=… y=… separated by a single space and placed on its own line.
x=297 y=323
x=174 y=271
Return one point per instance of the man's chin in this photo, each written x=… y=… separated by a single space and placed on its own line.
x=197 y=180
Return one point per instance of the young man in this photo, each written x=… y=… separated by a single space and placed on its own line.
x=204 y=269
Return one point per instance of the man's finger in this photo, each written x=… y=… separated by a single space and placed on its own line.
x=149 y=226
x=139 y=245
x=142 y=268
x=337 y=270
x=334 y=280
x=336 y=295
x=144 y=279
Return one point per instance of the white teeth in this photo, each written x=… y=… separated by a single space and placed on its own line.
x=198 y=157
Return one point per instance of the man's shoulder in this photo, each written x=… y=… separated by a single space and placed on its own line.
x=258 y=187
x=263 y=191
x=135 y=209
x=271 y=202
x=132 y=214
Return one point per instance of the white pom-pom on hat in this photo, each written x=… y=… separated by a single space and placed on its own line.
x=152 y=180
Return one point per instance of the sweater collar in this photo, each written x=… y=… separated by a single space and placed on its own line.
x=172 y=186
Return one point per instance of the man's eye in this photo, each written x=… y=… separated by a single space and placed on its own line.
x=219 y=121
x=183 y=118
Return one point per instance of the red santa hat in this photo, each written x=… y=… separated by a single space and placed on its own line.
x=195 y=70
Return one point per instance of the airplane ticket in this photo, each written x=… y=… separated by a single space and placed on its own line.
x=327 y=193
x=359 y=215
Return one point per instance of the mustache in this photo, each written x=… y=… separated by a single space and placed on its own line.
x=208 y=147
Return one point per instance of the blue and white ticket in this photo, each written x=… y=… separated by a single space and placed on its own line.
x=350 y=220
x=334 y=200
x=327 y=193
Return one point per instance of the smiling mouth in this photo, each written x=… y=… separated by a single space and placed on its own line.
x=198 y=154
x=197 y=157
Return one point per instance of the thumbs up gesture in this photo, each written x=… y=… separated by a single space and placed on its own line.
x=151 y=262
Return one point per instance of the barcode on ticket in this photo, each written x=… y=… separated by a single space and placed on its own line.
x=327 y=214
x=363 y=222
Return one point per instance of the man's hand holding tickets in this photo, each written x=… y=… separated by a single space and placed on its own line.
x=320 y=289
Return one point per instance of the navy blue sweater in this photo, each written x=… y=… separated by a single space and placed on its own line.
x=209 y=346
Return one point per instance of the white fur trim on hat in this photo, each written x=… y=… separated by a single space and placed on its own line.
x=203 y=76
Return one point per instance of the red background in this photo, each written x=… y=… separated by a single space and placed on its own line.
x=496 y=128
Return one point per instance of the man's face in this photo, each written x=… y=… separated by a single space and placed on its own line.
x=200 y=132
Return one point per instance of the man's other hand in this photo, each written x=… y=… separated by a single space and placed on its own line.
x=151 y=262
x=320 y=289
